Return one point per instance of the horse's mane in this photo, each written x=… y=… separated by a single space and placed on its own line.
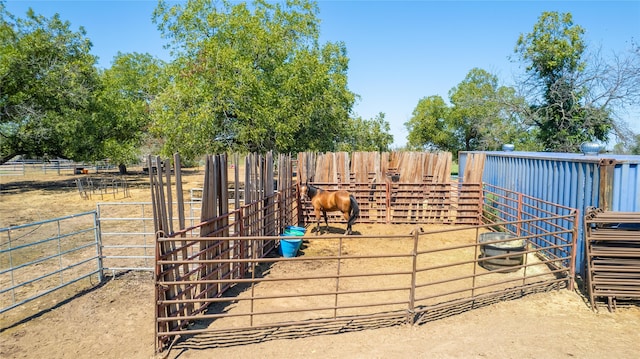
x=312 y=190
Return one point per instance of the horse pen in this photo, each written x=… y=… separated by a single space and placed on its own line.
x=413 y=258
x=229 y=285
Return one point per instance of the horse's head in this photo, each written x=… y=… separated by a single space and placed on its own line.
x=304 y=191
x=307 y=190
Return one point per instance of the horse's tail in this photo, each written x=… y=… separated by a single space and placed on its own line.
x=355 y=209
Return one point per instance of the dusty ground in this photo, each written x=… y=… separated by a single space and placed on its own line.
x=115 y=320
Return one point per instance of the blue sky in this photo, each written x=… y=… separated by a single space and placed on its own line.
x=400 y=51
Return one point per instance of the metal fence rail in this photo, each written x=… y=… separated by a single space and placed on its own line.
x=127 y=234
x=402 y=202
x=38 y=258
x=328 y=289
x=12 y=169
x=544 y=221
x=257 y=292
x=53 y=166
x=41 y=257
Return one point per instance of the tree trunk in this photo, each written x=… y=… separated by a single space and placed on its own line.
x=122 y=168
x=5 y=158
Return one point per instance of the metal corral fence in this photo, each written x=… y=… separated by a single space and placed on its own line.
x=127 y=237
x=12 y=169
x=610 y=182
x=59 y=166
x=41 y=257
x=346 y=283
x=404 y=202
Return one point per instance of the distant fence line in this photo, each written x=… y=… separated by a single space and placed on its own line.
x=20 y=168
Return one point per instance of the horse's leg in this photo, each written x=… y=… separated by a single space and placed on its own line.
x=317 y=212
x=326 y=221
x=317 y=225
x=346 y=216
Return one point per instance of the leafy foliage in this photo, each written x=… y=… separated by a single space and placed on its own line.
x=482 y=116
x=367 y=135
x=566 y=98
x=429 y=127
x=129 y=87
x=554 y=52
x=250 y=78
x=47 y=80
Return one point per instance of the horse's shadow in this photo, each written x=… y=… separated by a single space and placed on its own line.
x=313 y=230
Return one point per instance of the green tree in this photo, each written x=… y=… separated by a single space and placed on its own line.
x=635 y=148
x=47 y=80
x=631 y=147
x=429 y=127
x=367 y=135
x=482 y=116
x=129 y=86
x=554 y=54
x=250 y=78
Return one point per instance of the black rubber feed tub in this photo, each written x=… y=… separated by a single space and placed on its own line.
x=514 y=249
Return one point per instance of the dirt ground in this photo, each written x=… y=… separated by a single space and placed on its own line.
x=116 y=320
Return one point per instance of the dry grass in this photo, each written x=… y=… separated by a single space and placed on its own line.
x=37 y=196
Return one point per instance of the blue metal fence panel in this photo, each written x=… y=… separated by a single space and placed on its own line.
x=626 y=187
x=568 y=179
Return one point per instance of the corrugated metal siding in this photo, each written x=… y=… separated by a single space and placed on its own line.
x=626 y=187
x=571 y=180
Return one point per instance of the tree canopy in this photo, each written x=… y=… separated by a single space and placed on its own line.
x=481 y=117
x=250 y=78
x=129 y=87
x=560 y=87
x=54 y=102
x=245 y=77
x=47 y=82
x=429 y=127
x=254 y=77
x=566 y=98
x=367 y=135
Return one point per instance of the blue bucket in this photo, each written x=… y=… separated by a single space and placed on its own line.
x=294 y=231
x=291 y=232
x=289 y=247
x=296 y=228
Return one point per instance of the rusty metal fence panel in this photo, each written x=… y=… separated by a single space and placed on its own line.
x=607 y=181
x=398 y=202
x=613 y=255
x=327 y=291
x=502 y=205
x=260 y=294
x=445 y=287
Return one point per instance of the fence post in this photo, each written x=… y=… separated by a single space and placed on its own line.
x=519 y=218
x=412 y=292
x=98 y=238
x=574 y=249
x=13 y=281
x=388 y=202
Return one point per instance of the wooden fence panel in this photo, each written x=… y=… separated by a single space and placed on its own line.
x=363 y=167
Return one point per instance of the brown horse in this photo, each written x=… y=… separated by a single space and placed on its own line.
x=330 y=201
